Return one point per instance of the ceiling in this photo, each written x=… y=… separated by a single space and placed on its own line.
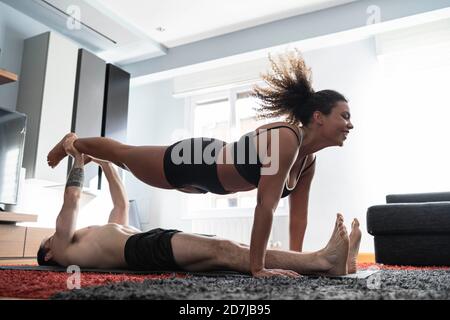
x=156 y=39
x=129 y=31
x=186 y=21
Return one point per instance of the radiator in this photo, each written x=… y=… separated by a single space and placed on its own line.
x=239 y=229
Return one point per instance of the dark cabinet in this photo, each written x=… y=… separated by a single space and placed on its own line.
x=115 y=107
x=88 y=102
x=115 y=111
x=100 y=104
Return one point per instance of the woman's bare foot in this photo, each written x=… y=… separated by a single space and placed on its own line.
x=68 y=146
x=335 y=254
x=58 y=152
x=355 y=240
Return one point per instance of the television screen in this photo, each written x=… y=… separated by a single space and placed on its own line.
x=12 y=139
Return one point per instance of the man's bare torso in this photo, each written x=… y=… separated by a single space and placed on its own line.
x=98 y=247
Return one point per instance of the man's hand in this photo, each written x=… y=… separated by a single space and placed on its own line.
x=267 y=273
x=70 y=148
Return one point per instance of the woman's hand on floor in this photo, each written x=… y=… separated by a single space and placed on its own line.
x=267 y=273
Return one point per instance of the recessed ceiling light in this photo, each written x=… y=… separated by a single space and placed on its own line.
x=160 y=29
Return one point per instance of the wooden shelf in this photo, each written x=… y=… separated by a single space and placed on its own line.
x=7 y=77
x=17 y=261
x=17 y=217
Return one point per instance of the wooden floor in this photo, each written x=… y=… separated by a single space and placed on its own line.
x=12 y=262
x=366 y=258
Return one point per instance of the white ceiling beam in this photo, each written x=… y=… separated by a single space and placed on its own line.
x=354 y=19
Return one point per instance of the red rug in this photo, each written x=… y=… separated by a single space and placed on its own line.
x=42 y=285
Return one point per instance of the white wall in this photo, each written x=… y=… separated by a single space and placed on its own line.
x=401 y=130
x=153 y=117
x=343 y=181
x=14 y=28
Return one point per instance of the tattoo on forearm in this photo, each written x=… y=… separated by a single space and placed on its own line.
x=76 y=178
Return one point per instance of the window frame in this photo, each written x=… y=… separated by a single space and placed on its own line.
x=231 y=95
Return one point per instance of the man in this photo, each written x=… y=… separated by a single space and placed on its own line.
x=119 y=246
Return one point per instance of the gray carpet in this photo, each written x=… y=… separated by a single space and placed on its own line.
x=386 y=284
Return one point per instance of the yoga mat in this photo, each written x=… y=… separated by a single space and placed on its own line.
x=360 y=274
x=122 y=271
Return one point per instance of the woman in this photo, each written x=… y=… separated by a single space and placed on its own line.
x=283 y=154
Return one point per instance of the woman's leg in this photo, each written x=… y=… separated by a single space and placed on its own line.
x=198 y=253
x=145 y=162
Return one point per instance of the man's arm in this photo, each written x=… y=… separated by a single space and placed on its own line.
x=67 y=218
x=119 y=213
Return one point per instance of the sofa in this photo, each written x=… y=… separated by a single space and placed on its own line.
x=412 y=229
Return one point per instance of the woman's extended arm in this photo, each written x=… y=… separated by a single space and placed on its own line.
x=270 y=188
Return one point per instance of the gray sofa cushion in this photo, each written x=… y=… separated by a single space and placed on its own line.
x=411 y=218
x=413 y=250
x=418 y=197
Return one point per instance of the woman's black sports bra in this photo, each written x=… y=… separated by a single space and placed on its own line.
x=249 y=167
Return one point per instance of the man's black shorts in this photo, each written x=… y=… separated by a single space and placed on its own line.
x=151 y=251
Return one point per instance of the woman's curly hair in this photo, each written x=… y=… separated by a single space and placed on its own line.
x=289 y=92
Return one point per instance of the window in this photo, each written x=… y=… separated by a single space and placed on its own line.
x=212 y=119
x=411 y=121
x=245 y=114
x=227 y=116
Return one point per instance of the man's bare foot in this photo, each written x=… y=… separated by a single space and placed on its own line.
x=334 y=255
x=58 y=152
x=355 y=240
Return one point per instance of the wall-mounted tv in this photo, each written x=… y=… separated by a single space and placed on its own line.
x=12 y=140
